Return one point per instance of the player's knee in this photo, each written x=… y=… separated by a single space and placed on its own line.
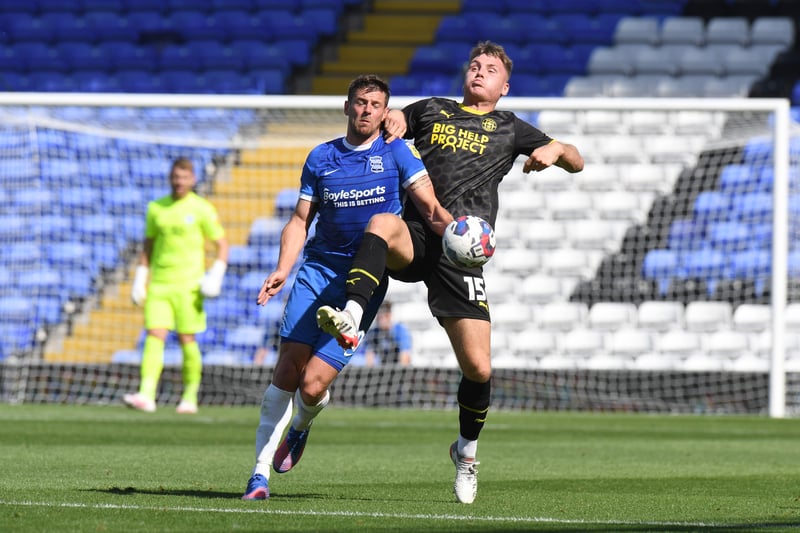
x=383 y=225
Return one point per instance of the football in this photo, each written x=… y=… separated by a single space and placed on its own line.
x=468 y=241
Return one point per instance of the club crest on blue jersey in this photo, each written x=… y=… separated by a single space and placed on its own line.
x=376 y=163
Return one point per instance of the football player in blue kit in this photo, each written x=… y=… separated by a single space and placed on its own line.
x=468 y=148
x=344 y=182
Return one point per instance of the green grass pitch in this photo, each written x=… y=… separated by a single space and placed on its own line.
x=93 y=468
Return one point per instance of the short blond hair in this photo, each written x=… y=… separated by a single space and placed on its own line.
x=492 y=49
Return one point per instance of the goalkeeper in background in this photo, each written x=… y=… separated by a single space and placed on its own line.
x=344 y=182
x=176 y=228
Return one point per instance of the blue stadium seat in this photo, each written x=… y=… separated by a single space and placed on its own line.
x=285 y=202
x=145 y=20
x=711 y=205
x=8 y=282
x=265 y=231
x=84 y=56
x=194 y=24
x=13 y=81
x=107 y=172
x=49 y=310
x=214 y=55
x=738 y=178
x=38 y=56
x=729 y=236
x=22 y=255
x=15 y=338
x=69 y=254
x=268 y=81
x=41 y=282
x=14 y=226
x=97 y=228
x=705 y=264
x=685 y=234
x=123 y=200
x=79 y=282
x=78 y=200
x=438 y=58
x=17 y=310
x=752 y=207
x=139 y=81
x=130 y=56
x=103 y=26
x=27 y=27
x=242 y=259
x=66 y=26
x=588 y=7
x=44 y=81
x=106 y=255
x=268 y=315
x=238 y=24
x=661 y=264
x=33 y=201
x=225 y=311
x=95 y=81
x=244 y=339
x=751 y=264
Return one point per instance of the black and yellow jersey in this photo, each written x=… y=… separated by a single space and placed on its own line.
x=467 y=153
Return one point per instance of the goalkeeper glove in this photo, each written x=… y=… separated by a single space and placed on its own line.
x=139 y=288
x=211 y=285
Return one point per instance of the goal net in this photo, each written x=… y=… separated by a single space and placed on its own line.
x=664 y=277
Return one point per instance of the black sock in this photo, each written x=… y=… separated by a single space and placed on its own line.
x=473 y=405
x=367 y=269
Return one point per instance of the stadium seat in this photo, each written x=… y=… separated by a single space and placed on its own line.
x=641 y=30
x=660 y=315
x=561 y=316
x=728 y=236
x=42 y=282
x=581 y=342
x=707 y=317
x=244 y=339
x=752 y=318
x=772 y=30
x=611 y=316
x=735 y=30
x=540 y=288
x=678 y=342
x=630 y=342
x=683 y=30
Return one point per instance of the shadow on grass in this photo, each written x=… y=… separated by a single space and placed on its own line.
x=195 y=493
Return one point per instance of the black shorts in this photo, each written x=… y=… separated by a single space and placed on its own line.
x=453 y=292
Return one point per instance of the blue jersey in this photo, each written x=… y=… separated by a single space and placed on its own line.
x=350 y=184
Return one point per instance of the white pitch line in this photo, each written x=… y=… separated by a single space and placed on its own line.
x=350 y=514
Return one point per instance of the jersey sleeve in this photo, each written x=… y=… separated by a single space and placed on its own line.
x=309 y=178
x=409 y=162
x=150 y=229
x=212 y=227
x=528 y=138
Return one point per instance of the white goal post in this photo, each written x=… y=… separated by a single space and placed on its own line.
x=550 y=251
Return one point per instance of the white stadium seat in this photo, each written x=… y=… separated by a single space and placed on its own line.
x=611 y=316
x=708 y=316
x=660 y=316
x=561 y=316
x=752 y=317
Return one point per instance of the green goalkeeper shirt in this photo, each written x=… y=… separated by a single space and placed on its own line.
x=179 y=229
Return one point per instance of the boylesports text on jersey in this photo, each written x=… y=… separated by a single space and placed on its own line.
x=355 y=197
x=450 y=136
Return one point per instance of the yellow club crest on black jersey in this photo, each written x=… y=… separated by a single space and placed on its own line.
x=489 y=125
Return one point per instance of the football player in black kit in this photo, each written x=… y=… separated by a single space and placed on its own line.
x=468 y=148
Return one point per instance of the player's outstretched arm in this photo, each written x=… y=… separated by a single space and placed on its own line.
x=394 y=125
x=562 y=155
x=293 y=238
x=424 y=197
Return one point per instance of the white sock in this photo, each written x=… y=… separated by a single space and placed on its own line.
x=306 y=413
x=356 y=311
x=276 y=409
x=467 y=448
